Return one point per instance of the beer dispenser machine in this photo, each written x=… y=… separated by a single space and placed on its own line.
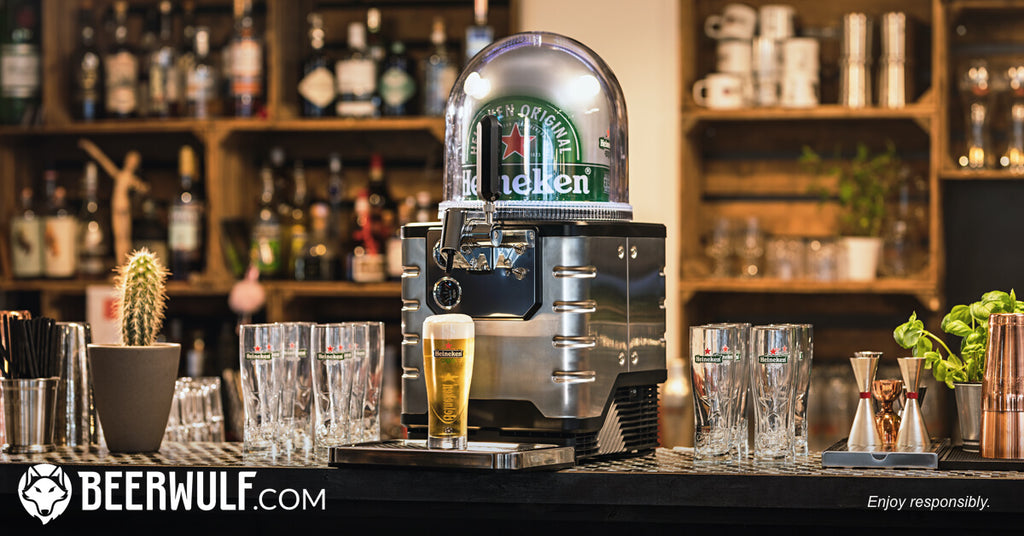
x=537 y=245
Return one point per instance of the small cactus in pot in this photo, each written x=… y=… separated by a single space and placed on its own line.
x=133 y=381
x=142 y=298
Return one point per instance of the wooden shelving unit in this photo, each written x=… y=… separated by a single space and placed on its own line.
x=740 y=163
x=231 y=149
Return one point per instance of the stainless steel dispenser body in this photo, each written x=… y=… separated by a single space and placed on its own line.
x=569 y=331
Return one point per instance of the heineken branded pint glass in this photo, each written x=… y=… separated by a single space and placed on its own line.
x=448 y=370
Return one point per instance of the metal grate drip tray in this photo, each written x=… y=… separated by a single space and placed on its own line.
x=479 y=455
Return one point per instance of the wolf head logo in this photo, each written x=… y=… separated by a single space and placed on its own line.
x=45 y=491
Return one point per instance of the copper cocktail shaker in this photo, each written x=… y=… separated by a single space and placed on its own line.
x=1002 y=390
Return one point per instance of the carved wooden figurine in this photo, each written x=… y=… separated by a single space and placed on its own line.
x=125 y=180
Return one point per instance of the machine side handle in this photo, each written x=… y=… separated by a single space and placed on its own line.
x=488 y=157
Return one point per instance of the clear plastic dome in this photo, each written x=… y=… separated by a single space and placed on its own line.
x=563 y=131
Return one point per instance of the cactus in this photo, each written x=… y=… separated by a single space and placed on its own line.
x=142 y=298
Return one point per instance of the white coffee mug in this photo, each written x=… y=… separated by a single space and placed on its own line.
x=737 y=21
x=719 y=91
x=777 y=21
x=734 y=56
x=799 y=91
x=800 y=55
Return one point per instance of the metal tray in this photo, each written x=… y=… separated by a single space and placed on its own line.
x=479 y=455
x=839 y=455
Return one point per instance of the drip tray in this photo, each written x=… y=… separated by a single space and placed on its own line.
x=479 y=455
x=839 y=455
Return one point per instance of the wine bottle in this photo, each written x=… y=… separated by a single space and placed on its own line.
x=187 y=215
x=20 y=75
x=27 y=239
x=94 y=237
x=87 y=69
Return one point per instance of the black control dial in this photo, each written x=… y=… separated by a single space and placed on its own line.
x=447 y=293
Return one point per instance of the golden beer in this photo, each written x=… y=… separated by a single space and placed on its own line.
x=448 y=372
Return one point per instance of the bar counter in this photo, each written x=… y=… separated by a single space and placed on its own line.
x=661 y=489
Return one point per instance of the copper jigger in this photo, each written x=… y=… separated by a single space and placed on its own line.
x=1002 y=389
x=888 y=422
x=864 y=433
x=913 y=435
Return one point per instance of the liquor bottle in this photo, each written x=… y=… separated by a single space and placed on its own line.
x=439 y=73
x=282 y=182
x=94 y=237
x=150 y=233
x=60 y=231
x=340 y=213
x=366 y=262
x=393 y=251
x=201 y=79
x=195 y=358
x=297 y=223
x=265 y=252
x=479 y=35
x=87 y=69
x=316 y=88
x=27 y=239
x=186 y=53
x=164 y=79
x=397 y=85
x=20 y=75
x=246 y=63
x=318 y=258
x=121 y=68
x=374 y=41
x=379 y=195
x=147 y=48
x=185 y=233
x=356 y=77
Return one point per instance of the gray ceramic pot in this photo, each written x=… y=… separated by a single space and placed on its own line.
x=132 y=390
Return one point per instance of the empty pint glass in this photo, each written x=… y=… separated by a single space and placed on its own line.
x=296 y=388
x=804 y=354
x=335 y=354
x=773 y=384
x=448 y=370
x=715 y=367
x=260 y=355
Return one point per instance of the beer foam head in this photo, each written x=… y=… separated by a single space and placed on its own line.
x=450 y=326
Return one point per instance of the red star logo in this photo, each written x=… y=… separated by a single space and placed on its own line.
x=330 y=348
x=269 y=347
x=448 y=345
x=773 y=351
x=291 y=345
x=256 y=348
x=725 y=348
x=707 y=351
x=515 y=142
x=784 y=349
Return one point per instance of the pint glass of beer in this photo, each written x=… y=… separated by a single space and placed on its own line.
x=448 y=370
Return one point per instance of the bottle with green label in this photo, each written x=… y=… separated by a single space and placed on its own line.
x=397 y=85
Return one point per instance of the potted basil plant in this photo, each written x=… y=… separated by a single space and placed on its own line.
x=963 y=372
x=133 y=382
x=863 y=185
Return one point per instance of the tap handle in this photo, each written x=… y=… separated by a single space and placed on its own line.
x=488 y=157
x=451 y=236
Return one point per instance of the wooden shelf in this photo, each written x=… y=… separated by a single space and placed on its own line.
x=326 y=289
x=923 y=289
x=920 y=112
x=227 y=125
x=979 y=174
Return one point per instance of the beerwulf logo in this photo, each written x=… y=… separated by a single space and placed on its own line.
x=45 y=491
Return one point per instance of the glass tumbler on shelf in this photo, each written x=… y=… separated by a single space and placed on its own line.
x=715 y=367
x=296 y=387
x=750 y=249
x=978 y=96
x=719 y=248
x=773 y=374
x=260 y=356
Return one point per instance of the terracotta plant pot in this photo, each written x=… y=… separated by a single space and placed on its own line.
x=132 y=389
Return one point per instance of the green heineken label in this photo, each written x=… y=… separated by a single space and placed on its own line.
x=772 y=359
x=711 y=358
x=333 y=356
x=261 y=356
x=543 y=156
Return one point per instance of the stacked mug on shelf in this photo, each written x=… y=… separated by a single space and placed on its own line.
x=771 y=68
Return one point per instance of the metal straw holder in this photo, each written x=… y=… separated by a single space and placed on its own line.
x=28 y=407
